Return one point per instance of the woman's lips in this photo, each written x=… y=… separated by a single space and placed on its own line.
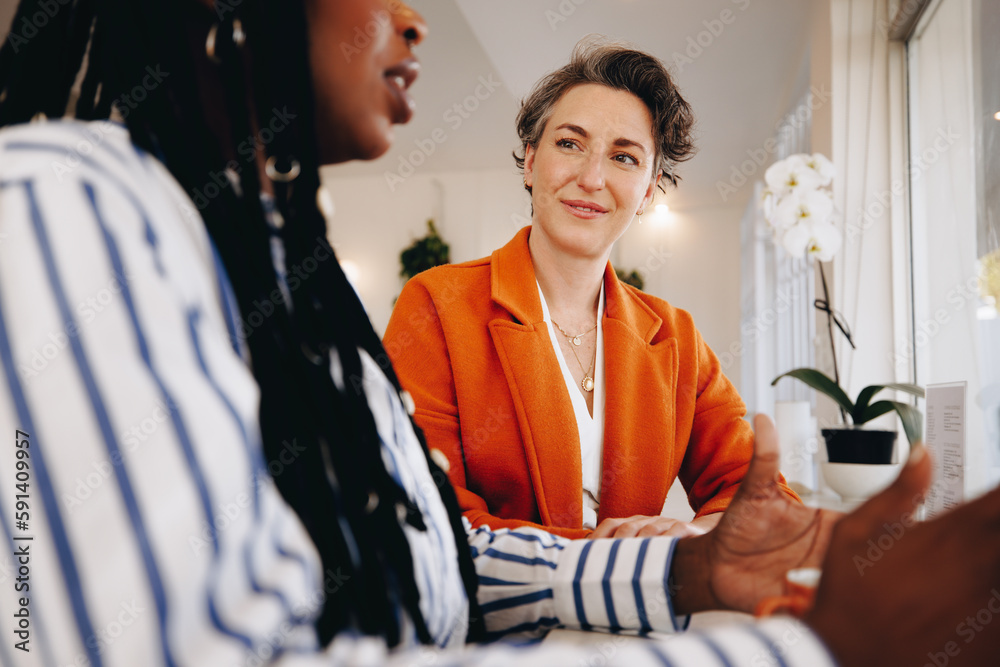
x=584 y=209
x=398 y=80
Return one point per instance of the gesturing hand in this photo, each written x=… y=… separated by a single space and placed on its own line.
x=763 y=534
x=898 y=593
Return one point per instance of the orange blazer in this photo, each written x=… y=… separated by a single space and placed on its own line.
x=469 y=344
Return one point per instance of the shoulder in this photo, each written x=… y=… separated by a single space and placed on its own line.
x=74 y=167
x=450 y=281
x=82 y=196
x=66 y=150
x=674 y=321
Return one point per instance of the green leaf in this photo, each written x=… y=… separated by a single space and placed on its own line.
x=913 y=420
x=860 y=413
x=821 y=383
x=861 y=405
x=876 y=409
x=916 y=390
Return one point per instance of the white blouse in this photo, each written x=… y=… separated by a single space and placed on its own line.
x=590 y=428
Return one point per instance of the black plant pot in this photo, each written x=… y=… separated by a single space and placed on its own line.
x=855 y=445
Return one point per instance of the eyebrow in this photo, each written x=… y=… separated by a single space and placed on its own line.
x=621 y=142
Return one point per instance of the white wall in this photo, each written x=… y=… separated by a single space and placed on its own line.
x=475 y=212
x=692 y=260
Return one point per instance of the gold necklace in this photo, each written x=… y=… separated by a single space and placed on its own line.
x=574 y=339
x=588 y=376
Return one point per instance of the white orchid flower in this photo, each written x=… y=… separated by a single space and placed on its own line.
x=823 y=168
x=790 y=175
x=803 y=206
x=821 y=240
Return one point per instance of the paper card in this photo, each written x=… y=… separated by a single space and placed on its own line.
x=944 y=437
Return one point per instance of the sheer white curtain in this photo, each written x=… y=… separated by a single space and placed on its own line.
x=777 y=322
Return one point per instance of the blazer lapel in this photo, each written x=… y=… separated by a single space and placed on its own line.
x=544 y=411
x=640 y=412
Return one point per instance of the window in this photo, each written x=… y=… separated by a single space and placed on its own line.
x=953 y=76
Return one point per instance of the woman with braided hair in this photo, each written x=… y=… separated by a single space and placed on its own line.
x=213 y=463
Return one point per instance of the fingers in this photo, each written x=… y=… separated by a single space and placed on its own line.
x=763 y=469
x=670 y=529
x=645 y=526
x=765 y=437
x=906 y=493
x=606 y=528
x=631 y=526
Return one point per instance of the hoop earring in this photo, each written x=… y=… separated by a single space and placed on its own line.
x=271 y=169
x=238 y=34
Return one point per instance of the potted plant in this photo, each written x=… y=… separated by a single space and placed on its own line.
x=798 y=206
x=854 y=444
x=633 y=278
x=425 y=253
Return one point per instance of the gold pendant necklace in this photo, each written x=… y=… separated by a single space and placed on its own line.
x=574 y=339
x=588 y=376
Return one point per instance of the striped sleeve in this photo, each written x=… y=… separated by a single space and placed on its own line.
x=531 y=581
x=772 y=643
x=157 y=536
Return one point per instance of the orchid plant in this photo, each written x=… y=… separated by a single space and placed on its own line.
x=798 y=206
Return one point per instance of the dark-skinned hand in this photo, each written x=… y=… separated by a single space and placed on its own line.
x=763 y=534
x=895 y=592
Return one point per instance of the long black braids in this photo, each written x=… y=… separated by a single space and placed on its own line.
x=339 y=476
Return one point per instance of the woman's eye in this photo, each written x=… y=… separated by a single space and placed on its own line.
x=625 y=158
x=565 y=143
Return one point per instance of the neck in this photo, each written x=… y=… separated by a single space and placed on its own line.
x=571 y=285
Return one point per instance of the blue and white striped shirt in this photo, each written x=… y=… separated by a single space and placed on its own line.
x=157 y=536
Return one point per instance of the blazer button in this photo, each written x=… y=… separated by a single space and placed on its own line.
x=408 y=403
x=440 y=459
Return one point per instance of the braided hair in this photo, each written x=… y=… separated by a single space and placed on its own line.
x=338 y=485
